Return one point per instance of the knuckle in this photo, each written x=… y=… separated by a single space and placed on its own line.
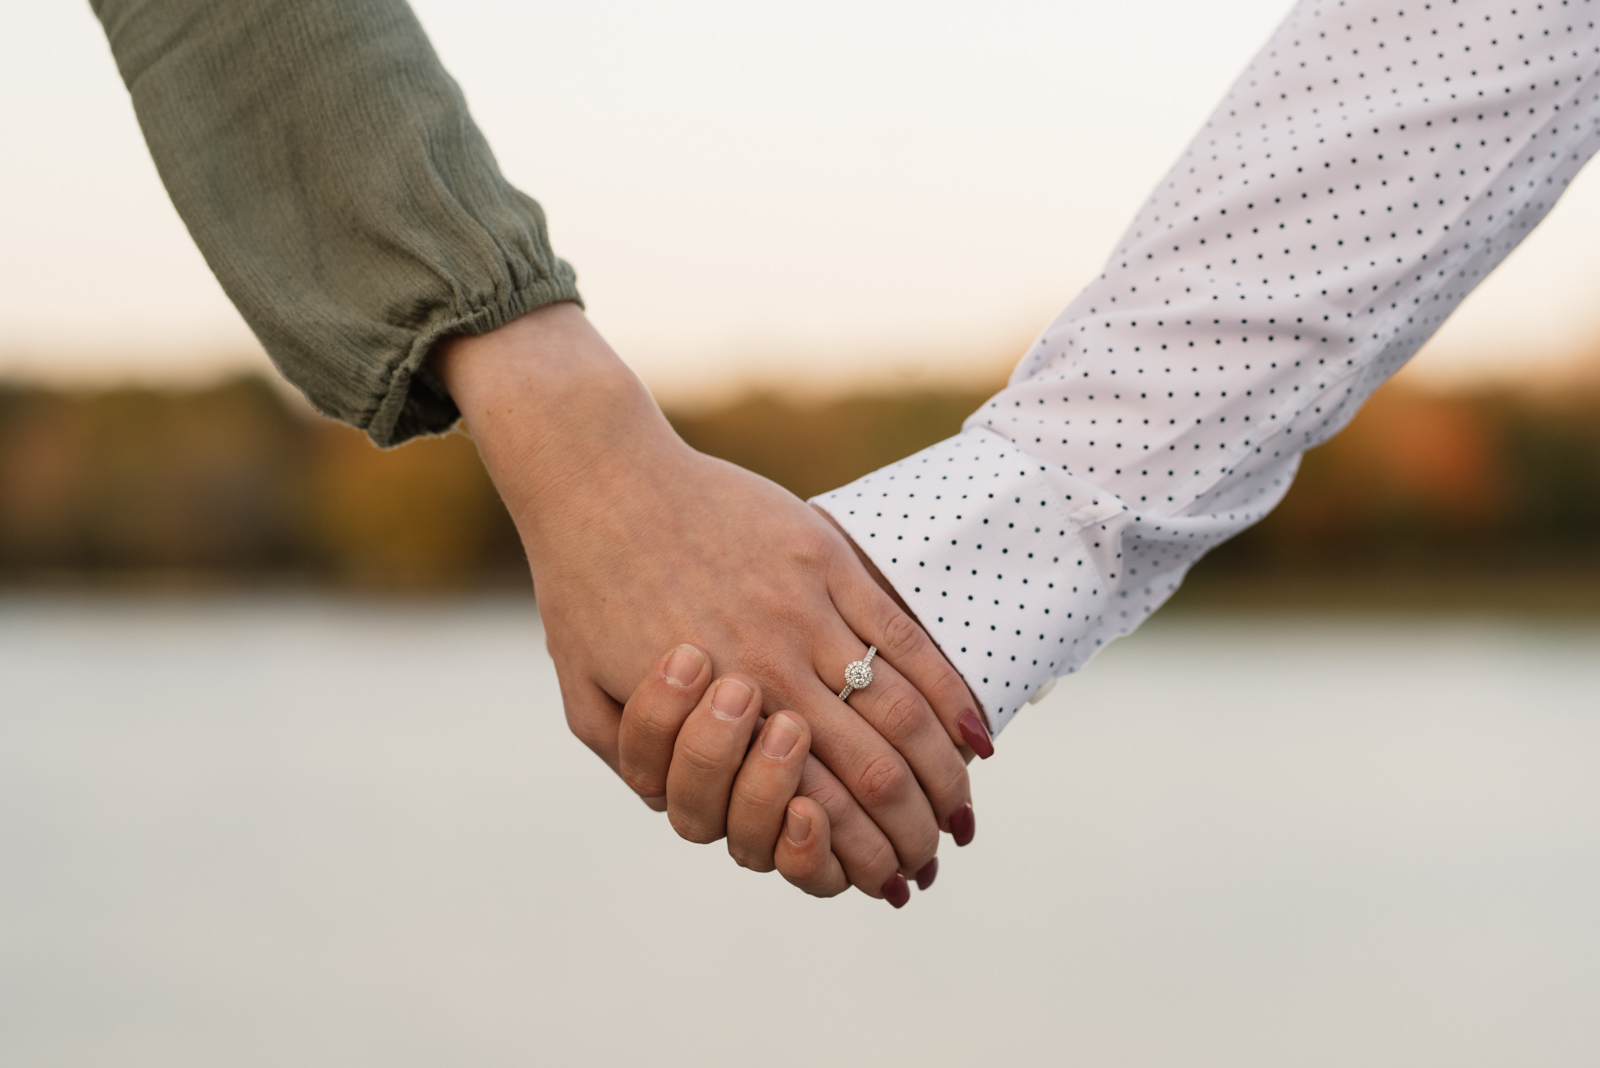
x=882 y=781
x=643 y=781
x=924 y=847
x=901 y=637
x=880 y=862
x=747 y=857
x=829 y=793
x=900 y=712
x=585 y=728
x=950 y=791
x=694 y=756
x=654 y=719
x=766 y=798
x=693 y=828
x=813 y=549
x=763 y=663
x=945 y=686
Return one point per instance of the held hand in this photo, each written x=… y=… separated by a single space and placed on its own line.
x=636 y=541
x=719 y=784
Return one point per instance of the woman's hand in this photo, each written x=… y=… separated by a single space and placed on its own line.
x=637 y=541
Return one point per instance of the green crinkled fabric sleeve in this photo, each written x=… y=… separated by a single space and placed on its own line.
x=327 y=167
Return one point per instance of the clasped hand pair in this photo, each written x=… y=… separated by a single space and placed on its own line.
x=690 y=606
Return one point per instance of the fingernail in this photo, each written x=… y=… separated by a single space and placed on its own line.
x=897 y=891
x=976 y=734
x=796 y=827
x=684 y=666
x=731 y=699
x=929 y=872
x=777 y=741
x=963 y=825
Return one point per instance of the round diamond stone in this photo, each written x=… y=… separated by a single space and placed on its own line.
x=858 y=675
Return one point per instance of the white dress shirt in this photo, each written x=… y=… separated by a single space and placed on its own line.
x=1376 y=160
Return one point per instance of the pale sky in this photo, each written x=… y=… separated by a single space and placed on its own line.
x=815 y=193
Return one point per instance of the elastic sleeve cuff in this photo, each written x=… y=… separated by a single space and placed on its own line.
x=330 y=172
x=972 y=536
x=416 y=402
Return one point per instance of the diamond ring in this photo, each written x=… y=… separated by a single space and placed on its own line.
x=858 y=675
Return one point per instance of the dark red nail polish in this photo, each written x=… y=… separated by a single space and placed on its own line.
x=963 y=825
x=929 y=872
x=977 y=736
x=897 y=891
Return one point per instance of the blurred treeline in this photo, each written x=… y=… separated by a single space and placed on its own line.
x=1424 y=496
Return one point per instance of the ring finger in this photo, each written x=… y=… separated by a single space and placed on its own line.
x=899 y=713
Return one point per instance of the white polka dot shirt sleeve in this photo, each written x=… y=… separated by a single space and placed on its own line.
x=1374 y=162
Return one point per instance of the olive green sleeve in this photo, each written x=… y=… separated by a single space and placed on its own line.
x=327 y=167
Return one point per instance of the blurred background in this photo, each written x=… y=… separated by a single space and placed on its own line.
x=821 y=236
x=279 y=744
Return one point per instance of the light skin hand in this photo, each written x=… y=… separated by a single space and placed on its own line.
x=636 y=541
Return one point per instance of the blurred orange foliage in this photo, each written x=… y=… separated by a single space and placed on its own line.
x=234 y=484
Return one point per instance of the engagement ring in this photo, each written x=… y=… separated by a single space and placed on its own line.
x=858 y=675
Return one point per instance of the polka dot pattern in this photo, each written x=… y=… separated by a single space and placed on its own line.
x=1373 y=164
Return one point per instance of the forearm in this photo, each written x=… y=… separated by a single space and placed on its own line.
x=1366 y=171
x=328 y=169
x=556 y=414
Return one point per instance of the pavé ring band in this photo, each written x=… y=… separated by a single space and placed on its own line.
x=858 y=674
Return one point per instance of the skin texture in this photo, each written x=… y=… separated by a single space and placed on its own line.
x=638 y=543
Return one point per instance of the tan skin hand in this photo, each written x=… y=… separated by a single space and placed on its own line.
x=733 y=777
x=637 y=542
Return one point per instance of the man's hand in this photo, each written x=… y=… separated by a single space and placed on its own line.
x=720 y=785
x=637 y=542
x=775 y=804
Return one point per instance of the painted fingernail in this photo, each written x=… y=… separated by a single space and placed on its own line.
x=796 y=827
x=963 y=825
x=929 y=872
x=976 y=734
x=897 y=891
x=731 y=699
x=777 y=741
x=684 y=666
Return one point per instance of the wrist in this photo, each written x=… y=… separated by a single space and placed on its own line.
x=551 y=406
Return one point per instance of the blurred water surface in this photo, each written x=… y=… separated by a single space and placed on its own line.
x=322 y=832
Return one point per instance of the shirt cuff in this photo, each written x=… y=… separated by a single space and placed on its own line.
x=973 y=537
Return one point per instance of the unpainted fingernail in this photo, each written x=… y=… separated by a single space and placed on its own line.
x=963 y=825
x=896 y=891
x=731 y=699
x=976 y=734
x=796 y=827
x=929 y=872
x=684 y=666
x=777 y=741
